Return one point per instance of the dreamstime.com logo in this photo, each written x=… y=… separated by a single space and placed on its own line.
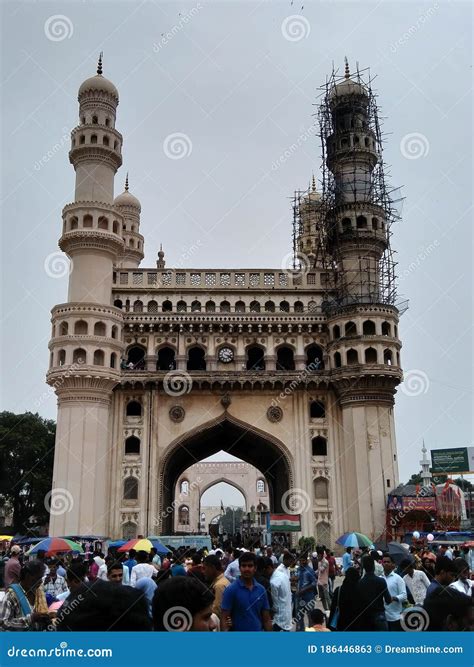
x=415 y=619
x=414 y=146
x=298 y=265
x=171 y=508
x=295 y=501
x=177 y=383
x=58 y=28
x=295 y=28
x=415 y=383
x=177 y=619
x=57 y=265
x=58 y=501
x=177 y=146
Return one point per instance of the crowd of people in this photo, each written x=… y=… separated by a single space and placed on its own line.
x=264 y=589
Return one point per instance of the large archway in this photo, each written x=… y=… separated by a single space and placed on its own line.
x=238 y=438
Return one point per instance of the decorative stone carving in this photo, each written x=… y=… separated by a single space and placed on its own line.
x=177 y=413
x=274 y=413
x=226 y=401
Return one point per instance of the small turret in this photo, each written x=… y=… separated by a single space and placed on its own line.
x=129 y=207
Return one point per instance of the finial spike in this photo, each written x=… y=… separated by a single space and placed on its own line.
x=161 y=247
x=314 y=184
x=347 y=72
x=126 y=182
x=99 y=64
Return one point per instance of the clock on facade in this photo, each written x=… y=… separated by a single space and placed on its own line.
x=226 y=355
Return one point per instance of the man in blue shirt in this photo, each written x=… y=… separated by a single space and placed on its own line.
x=347 y=561
x=398 y=593
x=244 y=603
x=305 y=591
x=445 y=574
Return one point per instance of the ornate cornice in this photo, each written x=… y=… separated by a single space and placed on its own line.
x=91 y=239
x=95 y=153
x=91 y=309
x=77 y=339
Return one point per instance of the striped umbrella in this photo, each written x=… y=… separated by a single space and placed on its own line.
x=6 y=538
x=354 y=540
x=54 y=545
x=144 y=545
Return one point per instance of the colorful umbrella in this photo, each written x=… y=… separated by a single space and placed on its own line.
x=354 y=540
x=6 y=538
x=117 y=543
x=54 y=545
x=144 y=544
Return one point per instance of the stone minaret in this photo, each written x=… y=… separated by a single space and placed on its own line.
x=361 y=316
x=425 y=468
x=130 y=208
x=86 y=339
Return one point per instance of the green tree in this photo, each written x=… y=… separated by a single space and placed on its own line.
x=415 y=478
x=232 y=518
x=464 y=484
x=26 y=466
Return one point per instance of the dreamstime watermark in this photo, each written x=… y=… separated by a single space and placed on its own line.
x=414 y=619
x=176 y=503
x=177 y=383
x=310 y=368
x=397 y=516
x=58 y=501
x=58 y=28
x=58 y=382
x=177 y=146
x=65 y=139
x=419 y=259
x=415 y=383
x=295 y=501
x=301 y=611
x=67 y=609
x=294 y=28
x=297 y=265
x=177 y=619
x=414 y=146
x=413 y=29
x=291 y=150
x=57 y=265
x=170 y=34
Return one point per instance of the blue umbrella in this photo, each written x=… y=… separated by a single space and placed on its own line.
x=117 y=543
x=159 y=546
x=354 y=540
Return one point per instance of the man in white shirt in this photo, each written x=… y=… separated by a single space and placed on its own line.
x=463 y=583
x=281 y=595
x=416 y=581
x=142 y=569
x=232 y=571
x=103 y=574
x=271 y=555
x=398 y=593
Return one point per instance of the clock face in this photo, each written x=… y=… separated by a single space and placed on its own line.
x=226 y=355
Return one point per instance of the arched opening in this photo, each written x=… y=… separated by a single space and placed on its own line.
x=314 y=358
x=167 y=306
x=82 y=139
x=320 y=487
x=240 y=307
x=74 y=224
x=387 y=357
x=255 y=358
x=138 y=306
x=386 y=329
x=132 y=445
x=80 y=328
x=118 y=303
x=361 y=222
x=87 y=221
x=130 y=488
x=196 y=307
x=152 y=307
x=350 y=329
x=352 y=357
x=317 y=410
x=323 y=533
x=61 y=357
x=93 y=138
x=210 y=307
x=225 y=307
x=183 y=515
x=269 y=307
x=346 y=225
x=63 y=329
x=103 y=223
x=99 y=358
x=196 y=360
x=105 y=141
x=166 y=359
x=319 y=446
x=336 y=332
x=370 y=355
x=337 y=360
x=79 y=356
x=254 y=307
x=260 y=486
x=99 y=329
x=129 y=530
x=184 y=487
x=113 y=360
x=285 y=359
x=368 y=328
x=115 y=227
x=131 y=243
x=136 y=358
x=299 y=307
x=240 y=439
x=181 y=306
x=375 y=224
x=133 y=409
x=95 y=120
x=284 y=307
x=114 y=331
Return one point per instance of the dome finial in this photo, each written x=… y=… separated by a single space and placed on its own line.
x=314 y=184
x=126 y=182
x=347 y=72
x=99 y=64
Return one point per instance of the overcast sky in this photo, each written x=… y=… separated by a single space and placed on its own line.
x=239 y=80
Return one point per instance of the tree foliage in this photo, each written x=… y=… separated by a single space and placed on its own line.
x=232 y=519
x=26 y=466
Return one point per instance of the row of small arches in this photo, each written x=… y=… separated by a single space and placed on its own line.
x=96 y=119
x=353 y=141
x=369 y=328
x=371 y=356
x=79 y=357
x=211 y=307
x=81 y=328
x=93 y=139
x=361 y=222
